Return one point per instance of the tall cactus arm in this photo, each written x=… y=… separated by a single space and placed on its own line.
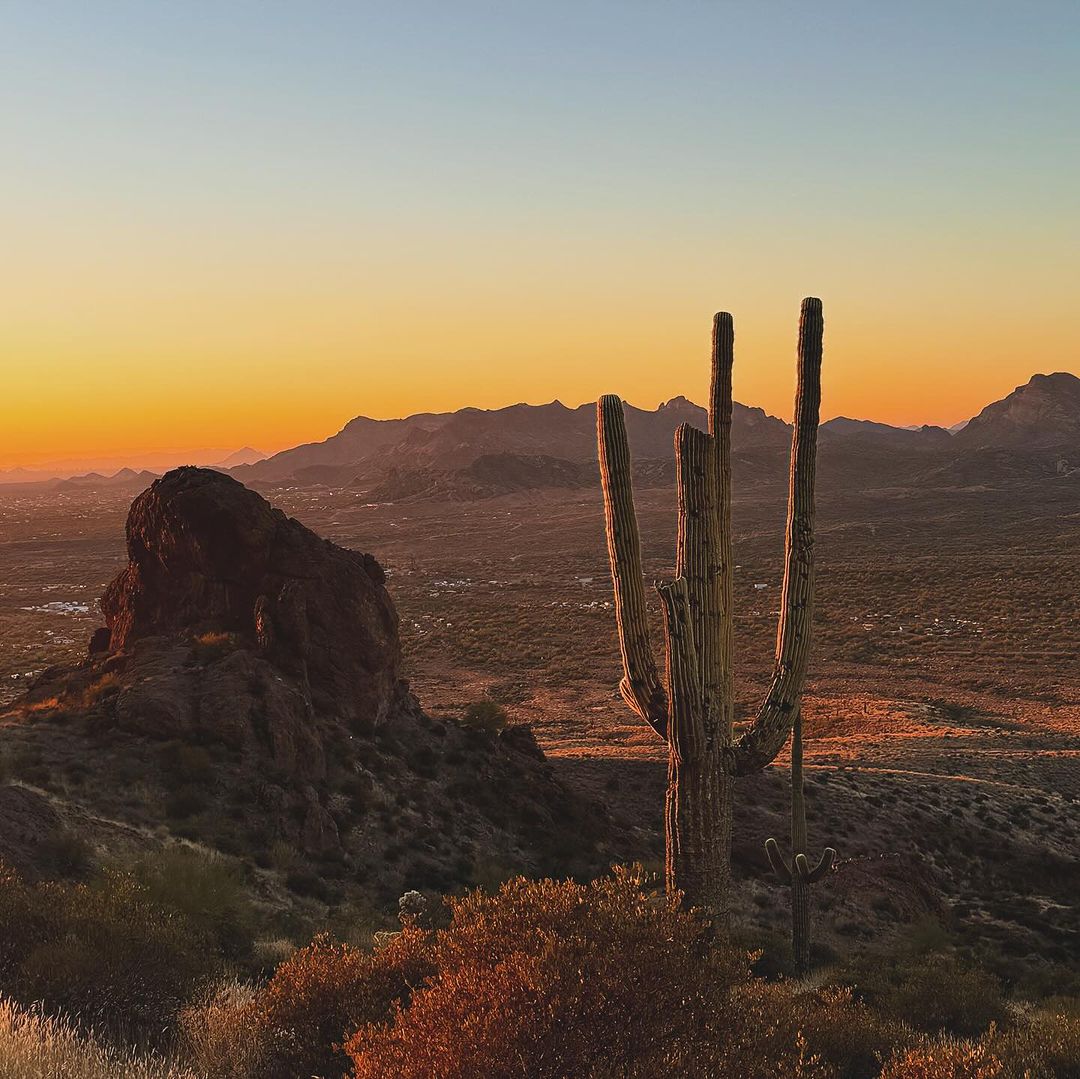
x=777 y=861
x=766 y=736
x=686 y=729
x=697 y=558
x=812 y=874
x=723 y=359
x=640 y=686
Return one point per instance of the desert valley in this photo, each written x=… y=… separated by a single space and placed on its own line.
x=943 y=730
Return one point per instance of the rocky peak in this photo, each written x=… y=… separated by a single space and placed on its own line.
x=207 y=554
x=1044 y=412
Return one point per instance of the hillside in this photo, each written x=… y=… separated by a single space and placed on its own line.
x=247 y=694
x=1044 y=413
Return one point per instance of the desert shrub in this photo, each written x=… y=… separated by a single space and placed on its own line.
x=64 y=854
x=485 y=716
x=102 y=951
x=305 y=881
x=1046 y=1044
x=1043 y=1045
x=296 y=1023
x=927 y=986
x=598 y=980
x=207 y=890
x=34 y=1046
x=108 y=685
x=947 y=1059
x=184 y=803
x=211 y=646
x=185 y=765
x=833 y=1026
x=938 y=992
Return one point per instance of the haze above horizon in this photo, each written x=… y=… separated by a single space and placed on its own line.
x=245 y=224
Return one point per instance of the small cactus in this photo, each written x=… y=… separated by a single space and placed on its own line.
x=798 y=874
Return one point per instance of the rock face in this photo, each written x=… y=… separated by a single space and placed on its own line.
x=1043 y=413
x=208 y=554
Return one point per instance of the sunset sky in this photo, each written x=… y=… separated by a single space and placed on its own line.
x=244 y=223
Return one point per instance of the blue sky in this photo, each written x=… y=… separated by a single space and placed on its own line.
x=293 y=193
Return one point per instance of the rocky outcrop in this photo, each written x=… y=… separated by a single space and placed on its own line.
x=208 y=555
x=247 y=693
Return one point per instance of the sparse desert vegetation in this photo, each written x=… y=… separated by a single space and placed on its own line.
x=550 y=979
x=940 y=761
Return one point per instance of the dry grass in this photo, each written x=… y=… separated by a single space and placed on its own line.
x=99 y=689
x=33 y=1046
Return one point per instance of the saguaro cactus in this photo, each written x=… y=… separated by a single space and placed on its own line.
x=798 y=874
x=694 y=710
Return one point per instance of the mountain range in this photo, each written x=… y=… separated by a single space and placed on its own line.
x=102 y=474
x=473 y=453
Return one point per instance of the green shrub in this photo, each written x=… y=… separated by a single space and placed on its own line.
x=103 y=951
x=485 y=716
x=205 y=889
x=64 y=854
x=184 y=803
x=186 y=765
x=935 y=992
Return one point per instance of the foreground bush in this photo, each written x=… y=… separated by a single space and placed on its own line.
x=103 y=951
x=294 y=1026
x=556 y=979
x=35 y=1047
x=1045 y=1045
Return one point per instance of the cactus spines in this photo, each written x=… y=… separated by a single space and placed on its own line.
x=799 y=874
x=694 y=714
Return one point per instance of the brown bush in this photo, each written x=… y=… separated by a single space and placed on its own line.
x=296 y=1023
x=556 y=979
x=1041 y=1046
x=609 y=980
x=946 y=1060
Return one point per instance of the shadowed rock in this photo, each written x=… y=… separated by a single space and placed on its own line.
x=208 y=554
x=248 y=689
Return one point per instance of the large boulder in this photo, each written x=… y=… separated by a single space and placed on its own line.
x=207 y=554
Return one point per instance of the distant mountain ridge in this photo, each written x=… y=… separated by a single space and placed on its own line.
x=1043 y=413
x=110 y=471
x=454 y=440
x=475 y=453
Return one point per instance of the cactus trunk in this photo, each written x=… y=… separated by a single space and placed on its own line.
x=697 y=833
x=694 y=713
x=798 y=874
x=800 y=888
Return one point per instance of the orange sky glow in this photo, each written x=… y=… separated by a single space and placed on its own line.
x=247 y=230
